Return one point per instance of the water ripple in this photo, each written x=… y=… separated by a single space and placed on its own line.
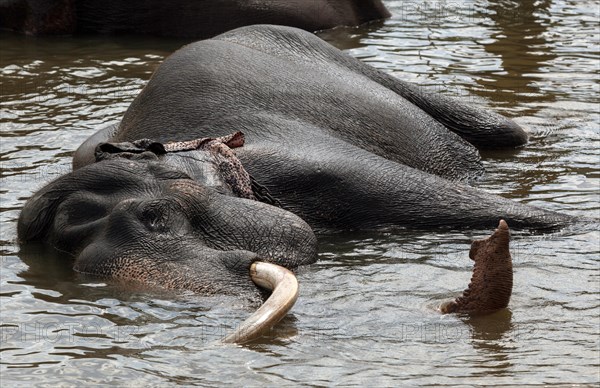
x=366 y=314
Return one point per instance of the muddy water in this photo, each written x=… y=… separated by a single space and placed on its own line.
x=365 y=315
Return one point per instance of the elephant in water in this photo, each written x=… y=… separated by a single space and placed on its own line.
x=197 y=19
x=132 y=219
x=175 y=197
x=333 y=140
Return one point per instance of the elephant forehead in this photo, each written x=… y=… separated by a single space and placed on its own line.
x=213 y=164
x=209 y=161
x=187 y=188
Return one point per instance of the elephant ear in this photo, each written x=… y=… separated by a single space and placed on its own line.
x=38 y=214
x=234 y=140
x=107 y=178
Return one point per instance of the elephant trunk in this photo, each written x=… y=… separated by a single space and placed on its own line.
x=284 y=288
x=491 y=284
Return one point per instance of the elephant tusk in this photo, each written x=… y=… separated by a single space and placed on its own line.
x=284 y=288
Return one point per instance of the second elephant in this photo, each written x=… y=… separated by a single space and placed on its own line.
x=196 y=19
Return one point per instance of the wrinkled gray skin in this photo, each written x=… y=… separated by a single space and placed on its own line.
x=337 y=142
x=142 y=222
x=197 y=19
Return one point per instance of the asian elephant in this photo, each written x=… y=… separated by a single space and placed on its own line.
x=197 y=19
x=175 y=196
x=334 y=141
x=132 y=219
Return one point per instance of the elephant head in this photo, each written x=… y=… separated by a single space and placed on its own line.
x=135 y=219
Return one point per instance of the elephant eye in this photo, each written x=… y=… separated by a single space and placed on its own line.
x=153 y=219
x=162 y=217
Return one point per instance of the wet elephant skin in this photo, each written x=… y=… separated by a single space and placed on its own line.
x=340 y=144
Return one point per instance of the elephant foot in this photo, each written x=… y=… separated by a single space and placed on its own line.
x=492 y=280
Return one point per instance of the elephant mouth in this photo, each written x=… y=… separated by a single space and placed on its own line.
x=284 y=292
x=214 y=161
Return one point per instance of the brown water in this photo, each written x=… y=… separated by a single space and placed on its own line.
x=365 y=315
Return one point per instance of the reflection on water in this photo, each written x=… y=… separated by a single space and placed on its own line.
x=519 y=40
x=366 y=313
x=490 y=335
x=346 y=38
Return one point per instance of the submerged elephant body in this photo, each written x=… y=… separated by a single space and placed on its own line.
x=197 y=19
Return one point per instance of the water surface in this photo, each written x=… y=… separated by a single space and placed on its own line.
x=366 y=311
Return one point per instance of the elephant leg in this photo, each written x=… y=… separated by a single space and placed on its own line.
x=480 y=127
x=333 y=185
